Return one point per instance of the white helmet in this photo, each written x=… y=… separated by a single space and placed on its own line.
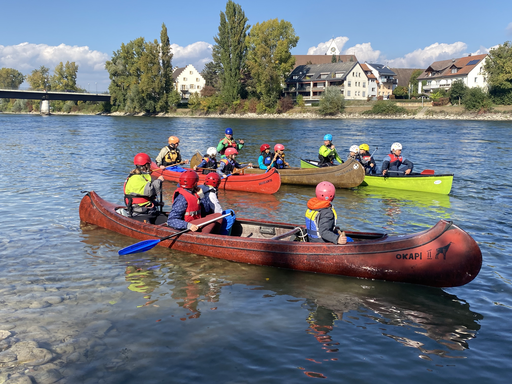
x=354 y=149
x=396 y=146
x=212 y=151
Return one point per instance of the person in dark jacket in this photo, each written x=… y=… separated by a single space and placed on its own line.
x=367 y=159
x=321 y=216
x=208 y=195
x=395 y=164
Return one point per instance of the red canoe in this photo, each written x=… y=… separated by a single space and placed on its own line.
x=267 y=183
x=442 y=256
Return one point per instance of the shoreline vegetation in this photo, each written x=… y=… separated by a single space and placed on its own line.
x=499 y=113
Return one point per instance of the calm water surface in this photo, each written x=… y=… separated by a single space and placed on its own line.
x=72 y=310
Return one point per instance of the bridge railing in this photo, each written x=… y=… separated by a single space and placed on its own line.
x=29 y=89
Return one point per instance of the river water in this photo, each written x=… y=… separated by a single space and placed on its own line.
x=73 y=311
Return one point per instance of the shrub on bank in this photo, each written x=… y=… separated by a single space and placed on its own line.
x=386 y=108
x=332 y=102
x=477 y=99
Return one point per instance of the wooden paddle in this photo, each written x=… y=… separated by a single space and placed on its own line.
x=146 y=245
x=196 y=160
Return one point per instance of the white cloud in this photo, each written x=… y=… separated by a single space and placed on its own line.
x=509 y=28
x=197 y=54
x=322 y=48
x=422 y=58
x=364 y=52
x=26 y=57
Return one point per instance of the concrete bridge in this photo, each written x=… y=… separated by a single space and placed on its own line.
x=46 y=96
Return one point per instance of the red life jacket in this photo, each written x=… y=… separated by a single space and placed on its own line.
x=193 y=211
x=393 y=158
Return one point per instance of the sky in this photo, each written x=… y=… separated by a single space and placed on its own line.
x=401 y=34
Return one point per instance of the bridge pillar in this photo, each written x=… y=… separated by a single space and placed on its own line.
x=45 y=107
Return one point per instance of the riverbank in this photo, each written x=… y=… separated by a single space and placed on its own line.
x=499 y=113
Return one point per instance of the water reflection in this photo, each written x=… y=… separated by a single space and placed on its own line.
x=428 y=319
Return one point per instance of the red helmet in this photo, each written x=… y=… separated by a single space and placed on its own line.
x=264 y=147
x=279 y=147
x=212 y=179
x=189 y=179
x=141 y=159
x=325 y=191
x=231 y=151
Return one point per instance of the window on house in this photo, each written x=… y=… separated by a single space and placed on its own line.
x=364 y=94
x=339 y=75
x=476 y=79
x=198 y=87
x=184 y=87
x=373 y=89
x=197 y=79
x=364 y=84
x=184 y=79
x=191 y=86
x=348 y=93
x=349 y=84
x=295 y=77
x=191 y=72
x=454 y=70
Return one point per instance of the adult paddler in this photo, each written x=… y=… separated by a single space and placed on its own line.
x=327 y=152
x=229 y=142
x=170 y=154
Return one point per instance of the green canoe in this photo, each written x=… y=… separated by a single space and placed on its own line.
x=441 y=184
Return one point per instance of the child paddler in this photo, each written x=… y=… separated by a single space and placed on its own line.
x=321 y=216
x=229 y=142
x=265 y=159
x=327 y=152
x=140 y=193
x=354 y=153
x=367 y=159
x=278 y=161
x=209 y=162
x=170 y=154
x=228 y=164
x=395 y=164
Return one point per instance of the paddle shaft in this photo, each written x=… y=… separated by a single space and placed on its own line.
x=199 y=225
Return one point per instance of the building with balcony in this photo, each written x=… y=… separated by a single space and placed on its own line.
x=188 y=80
x=373 y=82
x=442 y=74
x=311 y=81
x=386 y=77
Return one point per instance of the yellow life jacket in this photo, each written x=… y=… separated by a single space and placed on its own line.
x=312 y=222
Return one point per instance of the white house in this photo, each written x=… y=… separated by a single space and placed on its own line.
x=442 y=74
x=188 y=80
x=386 y=79
x=311 y=81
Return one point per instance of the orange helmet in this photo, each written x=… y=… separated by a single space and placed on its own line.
x=141 y=159
x=189 y=179
x=173 y=140
x=212 y=179
x=231 y=151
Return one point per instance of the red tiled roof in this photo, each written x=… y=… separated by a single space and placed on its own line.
x=445 y=66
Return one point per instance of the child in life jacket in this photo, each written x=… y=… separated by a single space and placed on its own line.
x=278 y=160
x=367 y=160
x=395 y=164
x=209 y=162
x=265 y=159
x=354 y=153
x=227 y=165
x=321 y=216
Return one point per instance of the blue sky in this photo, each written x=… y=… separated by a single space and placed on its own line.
x=398 y=33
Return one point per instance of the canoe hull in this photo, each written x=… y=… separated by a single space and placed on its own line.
x=268 y=183
x=347 y=175
x=441 y=184
x=416 y=182
x=443 y=256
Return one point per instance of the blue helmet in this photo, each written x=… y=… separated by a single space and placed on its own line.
x=328 y=137
x=229 y=131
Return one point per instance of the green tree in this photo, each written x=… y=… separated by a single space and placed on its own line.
x=413 y=81
x=150 y=82
x=64 y=77
x=333 y=59
x=401 y=92
x=166 y=60
x=332 y=102
x=476 y=99
x=39 y=79
x=211 y=73
x=230 y=50
x=457 y=92
x=10 y=78
x=498 y=66
x=269 y=59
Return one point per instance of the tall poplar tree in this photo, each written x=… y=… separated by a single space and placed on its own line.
x=39 y=79
x=166 y=60
x=64 y=77
x=269 y=59
x=230 y=50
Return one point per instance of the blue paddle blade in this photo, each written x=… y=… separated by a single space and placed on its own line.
x=142 y=246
